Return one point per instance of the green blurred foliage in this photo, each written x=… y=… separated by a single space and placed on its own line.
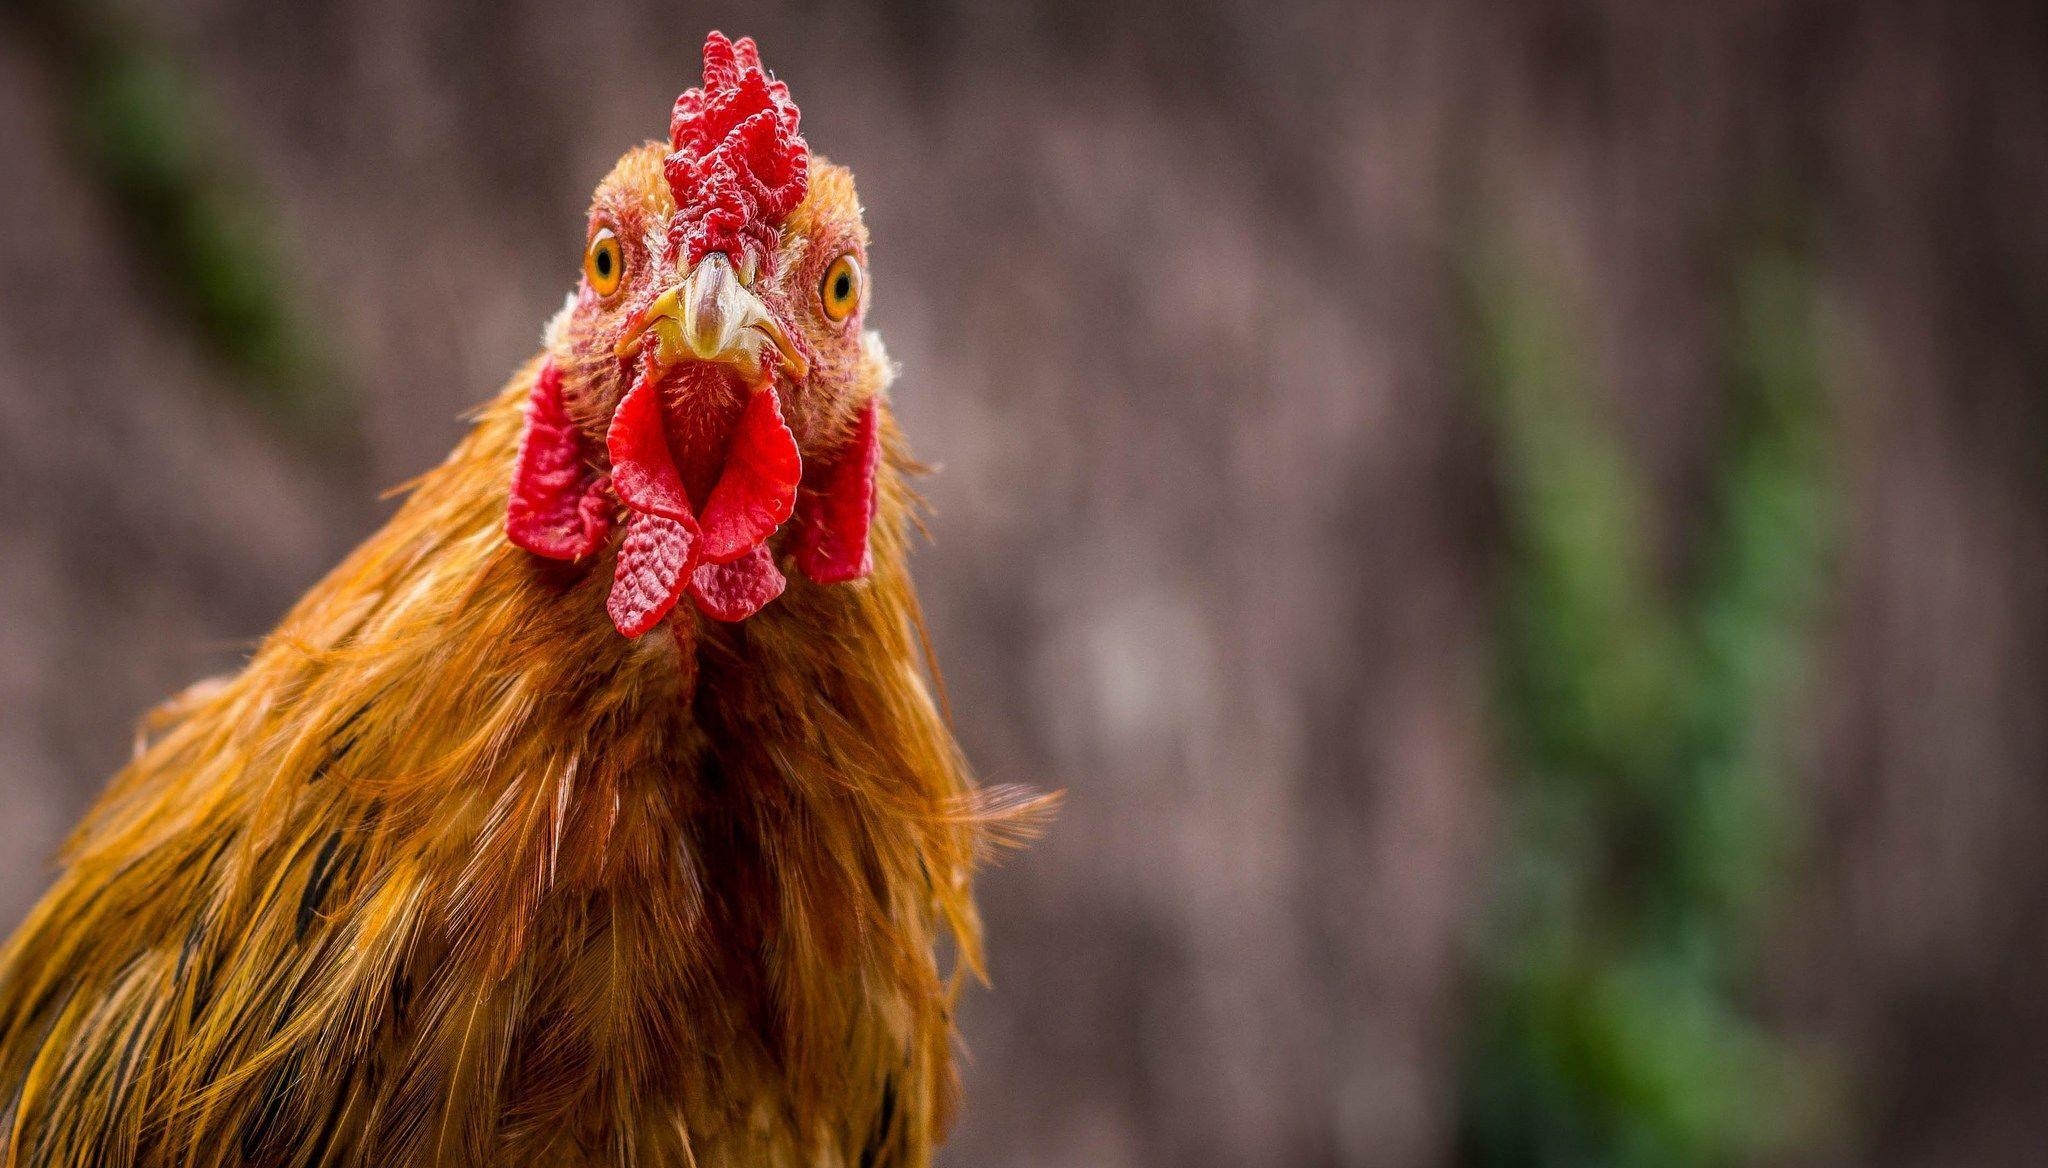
x=1651 y=806
x=145 y=133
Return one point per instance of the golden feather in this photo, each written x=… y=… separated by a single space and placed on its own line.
x=451 y=873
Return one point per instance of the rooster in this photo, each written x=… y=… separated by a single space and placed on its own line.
x=597 y=810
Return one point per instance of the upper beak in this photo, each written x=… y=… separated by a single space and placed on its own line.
x=712 y=316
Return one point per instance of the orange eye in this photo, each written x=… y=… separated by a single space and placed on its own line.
x=840 y=291
x=604 y=264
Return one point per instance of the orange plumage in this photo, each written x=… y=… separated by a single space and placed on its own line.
x=455 y=873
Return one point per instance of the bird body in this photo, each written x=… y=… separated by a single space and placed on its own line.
x=500 y=852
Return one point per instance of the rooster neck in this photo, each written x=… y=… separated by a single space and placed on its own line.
x=772 y=814
x=452 y=872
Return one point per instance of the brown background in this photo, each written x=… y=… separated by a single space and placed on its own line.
x=1218 y=524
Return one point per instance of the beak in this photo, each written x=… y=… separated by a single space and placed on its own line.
x=712 y=316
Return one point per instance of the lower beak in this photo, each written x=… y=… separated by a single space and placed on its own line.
x=712 y=316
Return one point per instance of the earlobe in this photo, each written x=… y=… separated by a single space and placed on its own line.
x=833 y=520
x=558 y=507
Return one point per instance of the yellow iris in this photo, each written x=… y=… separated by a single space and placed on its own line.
x=840 y=291
x=604 y=265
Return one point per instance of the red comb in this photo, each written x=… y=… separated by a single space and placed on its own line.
x=738 y=166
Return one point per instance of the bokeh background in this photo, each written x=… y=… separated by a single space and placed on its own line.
x=1519 y=526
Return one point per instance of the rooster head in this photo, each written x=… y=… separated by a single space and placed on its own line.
x=709 y=386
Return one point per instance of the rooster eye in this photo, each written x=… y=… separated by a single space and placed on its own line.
x=840 y=291
x=604 y=263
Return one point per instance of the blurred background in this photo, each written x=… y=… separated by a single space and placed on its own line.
x=1520 y=527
